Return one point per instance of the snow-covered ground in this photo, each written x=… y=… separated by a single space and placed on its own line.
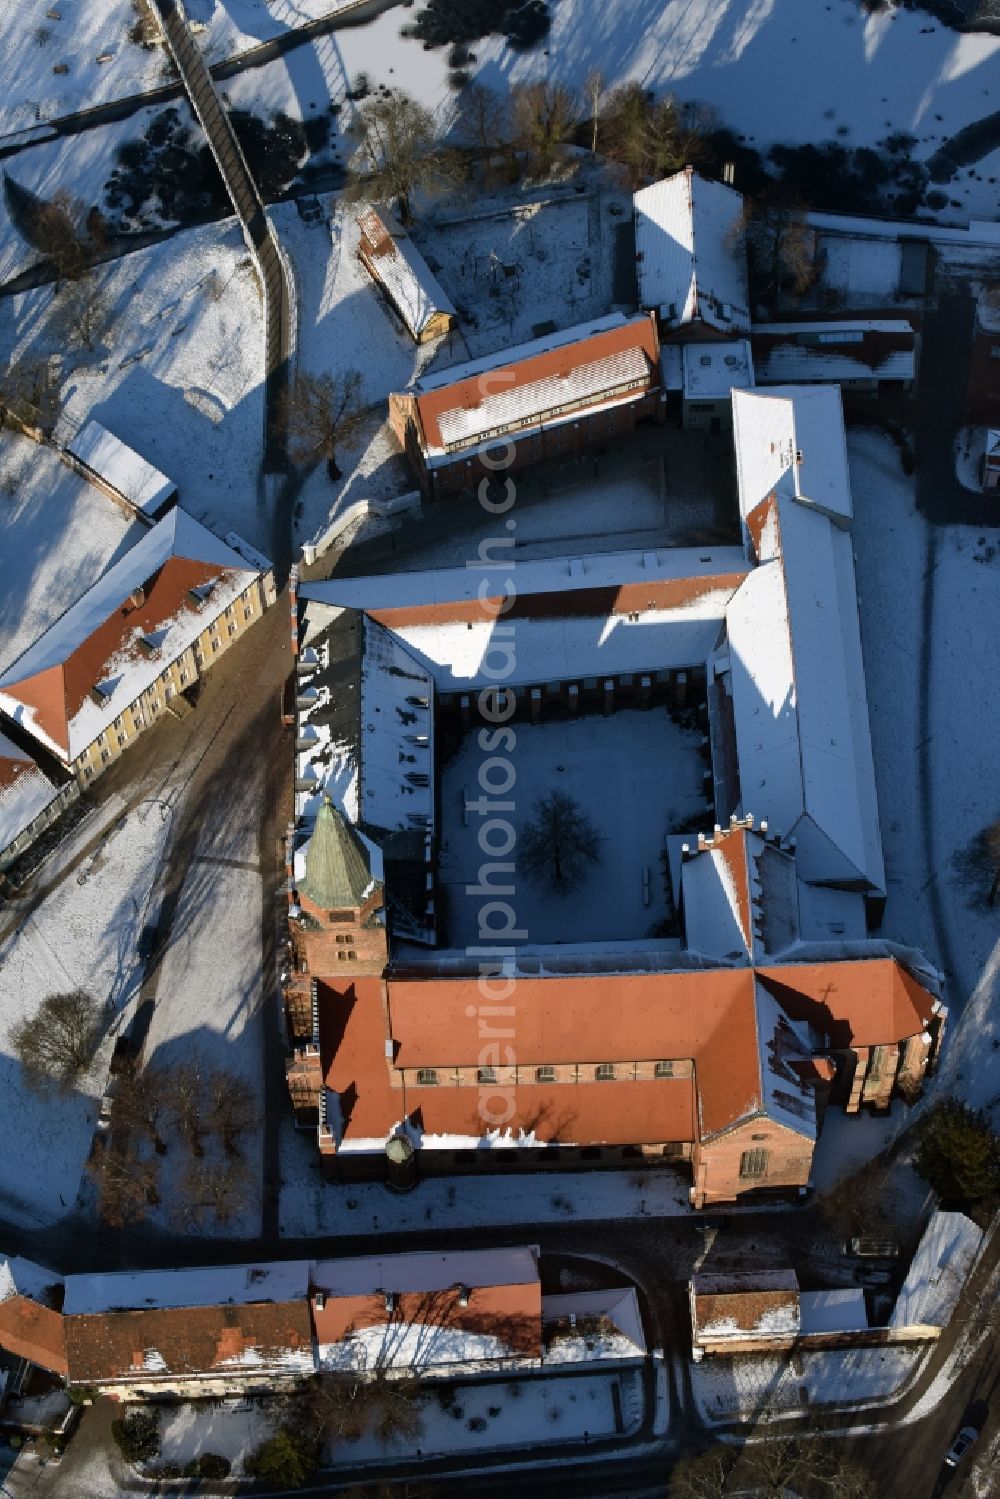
x=750 y=1386
x=310 y=1205
x=80 y=164
x=83 y=936
x=58 y=534
x=178 y=375
x=892 y=543
x=649 y=771
x=92 y=40
x=509 y=267
x=496 y=1415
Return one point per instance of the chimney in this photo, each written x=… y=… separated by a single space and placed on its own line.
x=463 y=1295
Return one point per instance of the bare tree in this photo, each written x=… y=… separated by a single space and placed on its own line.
x=860 y=1203
x=652 y=137
x=126 y=1185
x=399 y=151
x=58 y=1043
x=807 y=1466
x=346 y=1406
x=483 y=123
x=55 y=226
x=780 y=246
x=559 y=844
x=703 y=1476
x=593 y=92
x=978 y=864
x=319 y=413
x=142 y=1106
x=183 y=1090
x=231 y=1108
x=82 y=312
x=29 y=396
x=212 y=1189
x=544 y=117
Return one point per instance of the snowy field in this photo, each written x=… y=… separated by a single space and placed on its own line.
x=635 y=774
x=104 y=65
x=177 y=374
x=745 y=1388
x=84 y=936
x=790 y=70
x=58 y=534
x=311 y=1206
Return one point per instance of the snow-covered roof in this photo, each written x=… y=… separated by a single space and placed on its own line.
x=745 y=1305
x=711 y=371
x=938 y=1272
x=786 y=1097
x=440 y=586
x=396 y=262
x=21 y=1277
x=102 y=646
x=560 y=338
x=617 y=1306
x=689 y=248
x=121 y=468
x=524 y=403
x=884 y=348
x=790 y=440
x=426 y=1271
x=25 y=791
x=799 y=700
x=397 y=734
x=224 y=1285
x=833 y=1311
x=717 y=913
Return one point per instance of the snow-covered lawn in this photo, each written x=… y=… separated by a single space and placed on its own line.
x=497 y=1414
x=179 y=373
x=776 y=70
x=83 y=935
x=635 y=774
x=756 y=1385
x=80 y=164
x=310 y=1205
x=104 y=64
x=58 y=534
x=231 y=1428
x=518 y=265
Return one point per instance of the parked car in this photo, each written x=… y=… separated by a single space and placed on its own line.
x=147 y=940
x=960 y=1446
x=868 y=1247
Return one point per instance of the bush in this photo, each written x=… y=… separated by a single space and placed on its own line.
x=959 y=1155
x=137 y=1436
x=288 y=1459
x=213 y=1465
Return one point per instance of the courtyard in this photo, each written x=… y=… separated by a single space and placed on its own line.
x=637 y=774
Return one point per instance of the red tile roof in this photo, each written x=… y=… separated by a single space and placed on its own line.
x=186 y=1340
x=33 y=1332
x=865 y=1002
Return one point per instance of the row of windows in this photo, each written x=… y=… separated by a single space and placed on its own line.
x=604 y=1072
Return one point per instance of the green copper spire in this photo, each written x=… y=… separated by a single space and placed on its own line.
x=337 y=873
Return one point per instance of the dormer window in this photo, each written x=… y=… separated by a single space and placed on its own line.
x=199 y=596
x=101 y=692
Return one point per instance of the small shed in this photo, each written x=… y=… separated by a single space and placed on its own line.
x=397 y=266
x=120 y=472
